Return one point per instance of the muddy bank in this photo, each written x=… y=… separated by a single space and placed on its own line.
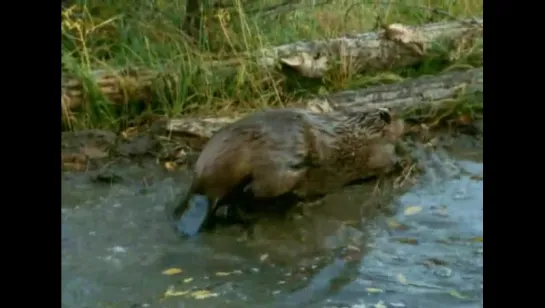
x=102 y=153
x=420 y=246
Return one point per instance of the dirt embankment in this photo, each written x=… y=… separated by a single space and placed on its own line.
x=108 y=157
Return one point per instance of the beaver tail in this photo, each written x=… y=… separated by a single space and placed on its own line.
x=191 y=213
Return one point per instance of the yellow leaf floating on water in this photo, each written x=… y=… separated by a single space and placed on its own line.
x=396 y=225
x=392 y=223
x=263 y=257
x=353 y=248
x=374 y=290
x=401 y=279
x=380 y=304
x=188 y=280
x=456 y=294
x=477 y=239
x=169 y=165
x=171 y=292
x=202 y=294
x=412 y=210
x=223 y=274
x=172 y=271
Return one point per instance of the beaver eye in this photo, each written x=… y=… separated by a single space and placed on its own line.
x=385 y=115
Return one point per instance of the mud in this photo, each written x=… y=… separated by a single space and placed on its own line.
x=365 y=246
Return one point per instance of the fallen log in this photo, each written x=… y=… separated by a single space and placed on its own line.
x=392 y=47
x=395 y=46
x=403 y=97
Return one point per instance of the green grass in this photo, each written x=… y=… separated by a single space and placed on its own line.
x=108 y=34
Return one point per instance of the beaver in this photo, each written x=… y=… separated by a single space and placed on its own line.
x=274 y=152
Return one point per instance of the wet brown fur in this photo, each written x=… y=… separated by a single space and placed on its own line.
x=293 y=150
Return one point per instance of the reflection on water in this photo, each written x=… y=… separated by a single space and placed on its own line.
x=340 y=252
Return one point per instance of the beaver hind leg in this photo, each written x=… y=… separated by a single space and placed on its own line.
x=267 y=183
x=246 y=208
x=229 y=214
x=275 y=182
x=232 y=208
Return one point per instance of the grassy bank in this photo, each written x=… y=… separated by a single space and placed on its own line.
x=114 y=34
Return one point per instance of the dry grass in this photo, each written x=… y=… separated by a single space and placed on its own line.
x=109 y=34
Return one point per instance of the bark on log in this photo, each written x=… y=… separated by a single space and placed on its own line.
x=367 y=52
x=372 y=51
x=419 y=92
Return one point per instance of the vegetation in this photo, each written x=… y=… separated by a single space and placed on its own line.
x=105 y=34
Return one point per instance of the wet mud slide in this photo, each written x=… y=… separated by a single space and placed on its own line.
x=364 y=246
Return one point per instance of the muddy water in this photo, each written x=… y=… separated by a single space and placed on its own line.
x=361 y=247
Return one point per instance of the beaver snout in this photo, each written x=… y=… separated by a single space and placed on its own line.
x=195 y=215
